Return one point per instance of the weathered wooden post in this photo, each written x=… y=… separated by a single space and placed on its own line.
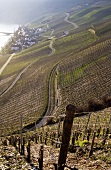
x=15 y=141
x=73 y=140
x=105 y=137
x=23 y=147
x=98 y=132
x=58 y=132
x=12 y=140
x=106 y=132
x=67 y=125
x=92 y=144
x=21 y=137
x=28 y=150
x=85 y=130
x=94 y=135
x=9 y=140
x=88 y=133
x=19 y=145
x=36 y=138
x=45 y=140
x=41 y=158
x=5 y=142
x=41 y=137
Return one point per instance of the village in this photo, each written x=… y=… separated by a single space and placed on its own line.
x=25 y=37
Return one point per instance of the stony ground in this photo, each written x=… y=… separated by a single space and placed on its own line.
x=10 y=159
x=79 y=160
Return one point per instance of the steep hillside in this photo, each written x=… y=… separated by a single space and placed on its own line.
x=86 y=75
x=92 y=15
x=68 y=65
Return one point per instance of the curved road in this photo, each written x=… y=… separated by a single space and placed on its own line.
x=16 y=79
x=6 y=63
x=66 y=19
x=51 y=40
x=51 y=47
x=43 y=122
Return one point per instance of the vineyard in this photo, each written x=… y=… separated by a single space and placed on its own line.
x=86 y=76
x=89 y=141
x=60 y=25
x=29 y=96
x=91 y=15
x=67 y=66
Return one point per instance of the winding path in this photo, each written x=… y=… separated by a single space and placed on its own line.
x=43 y=122
x=16 y=79
x=66 y=19
x=51 y=47
x=51 y=40
x=6 y=63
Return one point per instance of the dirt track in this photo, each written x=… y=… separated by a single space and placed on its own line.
x=66 y=19
x=6 y=63
x=16 y=79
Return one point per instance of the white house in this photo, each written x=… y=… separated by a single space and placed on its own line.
x=15 y=47
x=18 y=42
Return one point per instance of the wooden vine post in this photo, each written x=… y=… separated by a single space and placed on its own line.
x=94 y=135
x=41 y=158
x=92 y=144
x=28 y=152
x=86 y=126
x=106 y=132
x=21 y=137
x=67 y=126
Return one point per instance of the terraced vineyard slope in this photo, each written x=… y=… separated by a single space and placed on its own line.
x=79 y=60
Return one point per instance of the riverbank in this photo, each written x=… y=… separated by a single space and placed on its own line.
x=4 y=39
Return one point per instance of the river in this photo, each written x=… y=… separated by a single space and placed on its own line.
x=10 y=28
